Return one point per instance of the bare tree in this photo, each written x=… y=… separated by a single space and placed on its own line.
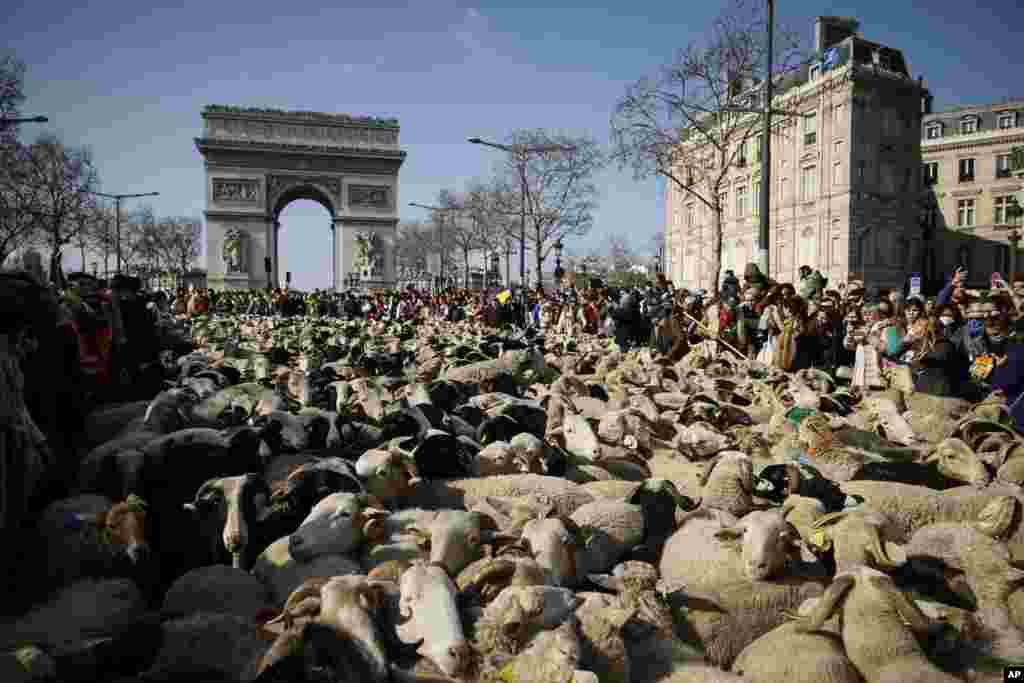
x=20 y=203
x=181 y=243
x=557 y=185
x=413 y=243
x=677 y=124
x=502 y=227
x=460 y=237
x=140 y=242
x=57 y=180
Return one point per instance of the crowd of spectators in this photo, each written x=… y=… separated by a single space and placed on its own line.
x=94 y=341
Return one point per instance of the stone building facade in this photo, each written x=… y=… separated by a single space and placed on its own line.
x=844 y=177
x=968 y=189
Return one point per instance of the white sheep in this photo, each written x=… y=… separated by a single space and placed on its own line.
x=516 y=615
x=988 y=570
x=817 y=657
x=880 y=627
x=728 y=483
x=451 y=538
x=563 y=495
x=429 y=615
x=336 y=525
x=912 y=507
x=727 y=609
x=703 y=552
x=345 y=605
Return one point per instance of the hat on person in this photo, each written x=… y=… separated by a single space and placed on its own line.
x=854 y=286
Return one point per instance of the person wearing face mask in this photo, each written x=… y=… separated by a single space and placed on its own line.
x=1000 y=368
x=747 y=319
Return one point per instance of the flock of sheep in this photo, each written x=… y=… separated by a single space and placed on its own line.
x=410 y=512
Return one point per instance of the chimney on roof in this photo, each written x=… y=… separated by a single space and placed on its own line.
x=831 y=30
x=926 y=97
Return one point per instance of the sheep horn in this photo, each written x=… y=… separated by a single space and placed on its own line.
x=829 y=518
x=497 y=570
x=883 y=552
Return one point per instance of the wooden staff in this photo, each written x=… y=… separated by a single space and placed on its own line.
x=708 y=333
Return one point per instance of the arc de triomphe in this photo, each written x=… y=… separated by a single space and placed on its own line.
x=259 y=160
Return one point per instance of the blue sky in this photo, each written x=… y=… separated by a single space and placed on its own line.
x=129 y=79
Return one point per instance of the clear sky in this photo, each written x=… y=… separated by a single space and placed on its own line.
x=129 y=80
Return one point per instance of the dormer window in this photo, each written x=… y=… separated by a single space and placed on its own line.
x=933 y=131
x=815 y=71
x=968 y=125
x=1008 y=120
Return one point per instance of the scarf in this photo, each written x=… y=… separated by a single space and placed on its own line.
x=785 y=345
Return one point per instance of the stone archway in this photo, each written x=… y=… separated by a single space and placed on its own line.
x=258 y=161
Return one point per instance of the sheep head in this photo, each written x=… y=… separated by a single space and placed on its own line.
x=230 y=504
x=124 y=526
x=427 y=608
x=555 y=543
x=455 y=538
x=766 y=542
x=388 y=475
x=337 y=524
x=956 y=460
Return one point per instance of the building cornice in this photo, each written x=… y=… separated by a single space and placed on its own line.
x=236 y=215
x=928 y=147
x=366 y=220
x=303 y=117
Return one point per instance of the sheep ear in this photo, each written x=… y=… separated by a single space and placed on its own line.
x=828 y=603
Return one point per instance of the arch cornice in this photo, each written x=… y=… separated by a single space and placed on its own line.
x=205 y=145
x=366 y=220
x=236 y=215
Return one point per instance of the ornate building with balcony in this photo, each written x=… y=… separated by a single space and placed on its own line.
x=969 y=190
x=844 y=175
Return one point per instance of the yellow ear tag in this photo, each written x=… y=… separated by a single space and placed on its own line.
x=821 y=540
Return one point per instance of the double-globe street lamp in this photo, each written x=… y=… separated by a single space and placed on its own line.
x=520 y=153
x=559 y=271
x=117 y=216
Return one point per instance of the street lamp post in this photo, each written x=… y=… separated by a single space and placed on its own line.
x=440 y=229
x=520 y=154
x=117 y=216
x=1014 y=238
